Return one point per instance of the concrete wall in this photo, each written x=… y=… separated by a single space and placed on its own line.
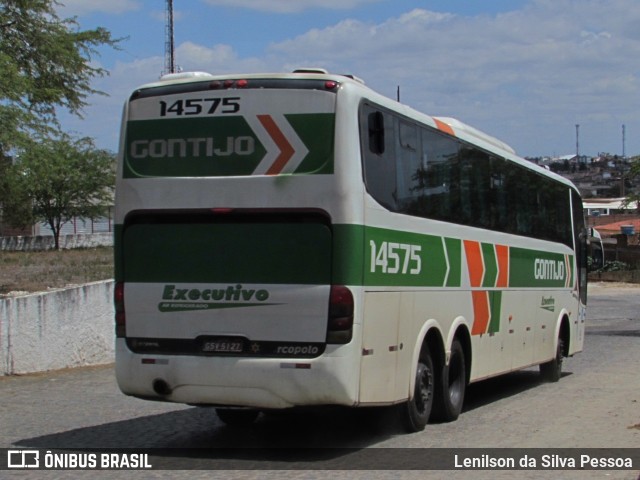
x=45 y=242
x=65 y=328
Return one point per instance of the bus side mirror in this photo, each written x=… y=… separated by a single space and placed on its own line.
x=376 y=132
x=595 y=250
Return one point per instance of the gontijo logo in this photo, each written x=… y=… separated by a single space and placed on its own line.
x=548 y=269
x=192 y=147
x=182 y=299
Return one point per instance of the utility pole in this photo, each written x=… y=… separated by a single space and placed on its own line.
x=169 y=47
x=624 y=131
x=578 y=142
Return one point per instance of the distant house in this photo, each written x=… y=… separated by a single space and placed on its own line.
x=598 y=207
x=615 y=228
x=74 y=226
x=9 y=231
x=80 y=225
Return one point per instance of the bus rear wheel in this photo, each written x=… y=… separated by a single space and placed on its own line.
x=451 y=387
x=416 y=411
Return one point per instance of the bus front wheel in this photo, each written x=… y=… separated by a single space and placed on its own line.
x=552 y=370
x=416 y=411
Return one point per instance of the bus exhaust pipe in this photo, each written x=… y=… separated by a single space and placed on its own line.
x=161 y=387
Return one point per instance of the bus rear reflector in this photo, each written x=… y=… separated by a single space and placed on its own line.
x=340 y=322
x=118 y=301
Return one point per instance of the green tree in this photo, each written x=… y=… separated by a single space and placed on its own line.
x=54 y=180
x=634 y=177
x=14 y=205
x=45 y=64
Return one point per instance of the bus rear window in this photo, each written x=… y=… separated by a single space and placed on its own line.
x=228 y=133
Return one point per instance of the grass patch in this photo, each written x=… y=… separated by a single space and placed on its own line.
x=39 y=271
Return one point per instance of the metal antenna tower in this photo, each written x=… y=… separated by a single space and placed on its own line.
x=169 y=48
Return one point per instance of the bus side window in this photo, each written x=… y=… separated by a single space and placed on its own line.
x=376 y=132
x=407 y=163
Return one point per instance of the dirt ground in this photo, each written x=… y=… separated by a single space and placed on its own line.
x=39 y=271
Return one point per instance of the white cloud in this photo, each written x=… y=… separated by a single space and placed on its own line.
x=519 y=75
x=83 y=7
x=526 y=76
x=161 y=15
x=217 y=59
x=126 y=76
x=290 y=6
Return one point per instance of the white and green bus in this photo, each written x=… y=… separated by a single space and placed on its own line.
x=287 y=240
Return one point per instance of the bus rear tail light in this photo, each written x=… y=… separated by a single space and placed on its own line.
x=340 y=324
x=229 y=83
x=121 y=320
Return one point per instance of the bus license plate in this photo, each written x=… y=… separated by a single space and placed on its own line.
x=222 y=346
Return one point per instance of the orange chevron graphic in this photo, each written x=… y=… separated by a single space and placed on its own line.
x=474 y=262
x=480 y=299
x=502 y=253
x=443 y=127
x=486 y=304
x=286 y=149
x=481 y=312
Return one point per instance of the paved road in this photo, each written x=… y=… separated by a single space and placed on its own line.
x=595 y=405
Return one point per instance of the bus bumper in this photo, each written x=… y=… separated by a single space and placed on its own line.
x=270 y=383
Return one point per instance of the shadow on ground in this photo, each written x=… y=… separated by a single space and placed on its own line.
x=331 y=438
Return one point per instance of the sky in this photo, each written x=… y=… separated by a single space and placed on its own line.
x=524 y=71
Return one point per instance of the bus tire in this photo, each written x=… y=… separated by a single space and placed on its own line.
x=237 y=417
x=416 y=411
x=451 y=385
x=552 y=370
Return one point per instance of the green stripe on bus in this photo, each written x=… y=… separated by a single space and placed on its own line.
x=222 y=146
x=454 y=254
x=348 y=255
x=535 y=268
x=398 y=258
x=317 y=133
x=495 y=301
x=286 y=253
x=490 y=265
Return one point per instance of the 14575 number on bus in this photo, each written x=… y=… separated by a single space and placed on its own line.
x=395 y=258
